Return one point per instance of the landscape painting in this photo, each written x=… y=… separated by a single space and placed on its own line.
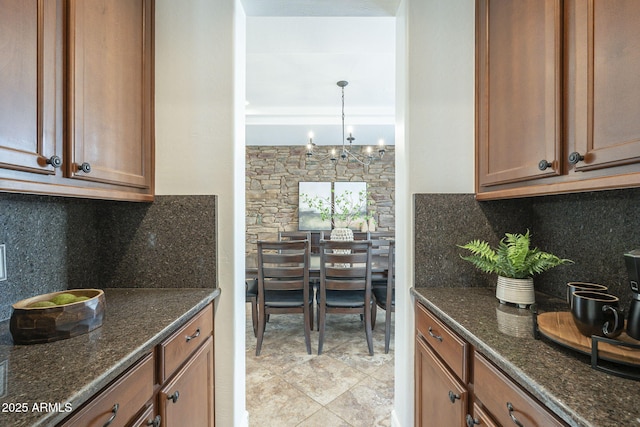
x=314 y=197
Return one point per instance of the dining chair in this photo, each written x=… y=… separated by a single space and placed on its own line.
x=385 y=295
x=251 y=296
x=283 y=284
x=302 y=235
x=345 y=283
x=379 y=253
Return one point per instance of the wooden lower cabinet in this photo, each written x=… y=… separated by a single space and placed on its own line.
x=173 y=386
x=189 y=394
x=441 y=399
x=457 y=386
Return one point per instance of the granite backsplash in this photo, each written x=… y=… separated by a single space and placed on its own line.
x=593 y=229
x=57 y=243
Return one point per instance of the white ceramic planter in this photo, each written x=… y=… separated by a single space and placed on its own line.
x=516 y=291
x=342 y=234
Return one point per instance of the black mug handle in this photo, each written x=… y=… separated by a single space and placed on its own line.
x=618 y=322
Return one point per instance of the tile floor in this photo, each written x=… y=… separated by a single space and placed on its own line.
x=344 y=386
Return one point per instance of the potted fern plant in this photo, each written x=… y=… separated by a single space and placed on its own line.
x=515 y=263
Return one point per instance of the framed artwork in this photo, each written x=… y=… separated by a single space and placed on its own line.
x=350 y=203
x=309 y=214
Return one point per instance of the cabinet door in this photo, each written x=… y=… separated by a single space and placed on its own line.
x=110 y=91
x=27 y=85
x=603 y=87
x=440 y=399
x=188 y=398
x=519 y=88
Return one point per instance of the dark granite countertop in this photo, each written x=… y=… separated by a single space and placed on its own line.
x=70 y=371
x=560 y=378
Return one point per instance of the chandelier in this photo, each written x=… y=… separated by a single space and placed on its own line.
x=346 y=153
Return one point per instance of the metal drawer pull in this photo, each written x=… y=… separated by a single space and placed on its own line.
x=196 y=335
x=471 y=421
x=513 y=417
x=113 y=416
x=174 y=397
x=438 y=337
x=155 y=422
x=453 y=396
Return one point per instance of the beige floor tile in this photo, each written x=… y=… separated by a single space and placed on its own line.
x=324 y=418
x=367 y=404
x=276 y=403
x=323 y=378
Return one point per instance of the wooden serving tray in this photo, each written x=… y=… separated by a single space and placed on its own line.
x=558 y=326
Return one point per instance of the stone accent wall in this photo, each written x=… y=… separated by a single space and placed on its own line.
x=272 y=177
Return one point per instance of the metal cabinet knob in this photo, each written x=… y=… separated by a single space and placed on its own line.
x=54 y=161
x=155 y=422
x=85 y=167
x=544 y=164
x=575 y=157
x=174 y=397
x=471 y=421
x=453 y=396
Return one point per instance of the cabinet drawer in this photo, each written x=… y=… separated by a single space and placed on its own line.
x=504 y=399
x=130 y=392
x=176 y=349
x=452 y=349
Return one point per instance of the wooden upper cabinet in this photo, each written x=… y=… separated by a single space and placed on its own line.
x=519 y=84
x=557 y=97
x=110 y=91
x=603 y=87
x=28 y=85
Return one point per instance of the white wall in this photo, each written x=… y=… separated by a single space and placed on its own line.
x=434 y=142
x=200 y=150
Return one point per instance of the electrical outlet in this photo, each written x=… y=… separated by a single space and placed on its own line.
x=3 y=263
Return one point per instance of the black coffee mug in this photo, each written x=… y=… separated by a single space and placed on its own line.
x=583 y=286
x=633 y=322
x=597 y=313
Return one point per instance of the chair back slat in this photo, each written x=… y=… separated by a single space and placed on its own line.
x=345 y=264
x=343 y=285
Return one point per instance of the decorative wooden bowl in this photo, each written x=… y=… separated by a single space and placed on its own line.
x=33 y=325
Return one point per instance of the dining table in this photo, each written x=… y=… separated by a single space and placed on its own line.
x=379 y=266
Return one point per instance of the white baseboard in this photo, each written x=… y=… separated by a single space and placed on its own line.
x=394 y=419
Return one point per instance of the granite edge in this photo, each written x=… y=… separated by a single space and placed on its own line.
x=85 y=394
x=526 y=382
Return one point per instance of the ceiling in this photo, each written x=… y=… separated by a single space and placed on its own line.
x=298 y=50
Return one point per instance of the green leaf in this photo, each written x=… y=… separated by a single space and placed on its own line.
x=512 y=258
